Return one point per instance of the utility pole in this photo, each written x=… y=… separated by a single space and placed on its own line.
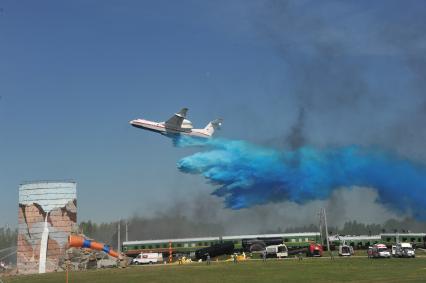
x=326 y=231
x=320 y=226
x=118 y=236
x=127 y=231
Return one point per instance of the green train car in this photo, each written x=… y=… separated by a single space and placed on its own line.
x=190 y=245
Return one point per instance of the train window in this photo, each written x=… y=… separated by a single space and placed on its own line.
x=388 y=239
x=206 y=244
x=179 y=245
x=157 y=246
x=412 y=239
x=285 y=239
x=419 y=240
x=199 y=244
x=404 y=239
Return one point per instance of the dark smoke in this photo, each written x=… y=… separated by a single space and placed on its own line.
x=357 y=73
x=296 y=138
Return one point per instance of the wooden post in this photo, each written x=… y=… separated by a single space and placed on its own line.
x=67 y=267
x=170 y=252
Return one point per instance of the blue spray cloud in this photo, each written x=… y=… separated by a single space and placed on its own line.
x=246 y=174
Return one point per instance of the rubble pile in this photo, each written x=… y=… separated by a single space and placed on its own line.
x=7 y=271
x=82 y=259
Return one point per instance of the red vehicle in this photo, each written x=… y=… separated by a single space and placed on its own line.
x=314 y=250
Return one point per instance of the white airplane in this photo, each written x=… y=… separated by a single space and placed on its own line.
x=177 y=125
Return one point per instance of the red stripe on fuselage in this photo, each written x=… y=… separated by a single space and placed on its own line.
x=161 y=128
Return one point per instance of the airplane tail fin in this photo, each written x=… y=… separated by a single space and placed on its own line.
x=182 y=112
x=213 y=125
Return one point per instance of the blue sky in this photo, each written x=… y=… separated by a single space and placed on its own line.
x=73 y=74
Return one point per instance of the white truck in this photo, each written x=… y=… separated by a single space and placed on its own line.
x=148 y=258
x=403 y=250
x=278 y=251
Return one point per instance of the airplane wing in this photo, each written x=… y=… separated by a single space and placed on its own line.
x=175 y=122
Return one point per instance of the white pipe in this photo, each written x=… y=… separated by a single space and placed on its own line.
x=43 y=247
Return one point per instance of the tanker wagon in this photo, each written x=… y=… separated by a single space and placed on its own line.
x=259 y=244
x=225 y=248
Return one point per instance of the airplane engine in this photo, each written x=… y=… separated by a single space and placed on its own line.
x=186 y=124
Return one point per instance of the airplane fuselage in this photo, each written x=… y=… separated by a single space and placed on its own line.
x=161 y=128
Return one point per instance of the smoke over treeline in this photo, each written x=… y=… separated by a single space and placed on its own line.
x=159 y=227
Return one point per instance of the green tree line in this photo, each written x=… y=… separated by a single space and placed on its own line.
x=8 y=239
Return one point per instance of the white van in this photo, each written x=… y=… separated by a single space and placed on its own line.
x=278 y=251
x=148 y=258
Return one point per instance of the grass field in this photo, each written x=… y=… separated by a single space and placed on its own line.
x=307 y=270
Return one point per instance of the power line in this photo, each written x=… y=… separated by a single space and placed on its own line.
x=6 y=249
x=6 y=256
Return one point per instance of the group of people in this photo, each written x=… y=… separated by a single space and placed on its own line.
x=234 y=258
x=3 y=265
